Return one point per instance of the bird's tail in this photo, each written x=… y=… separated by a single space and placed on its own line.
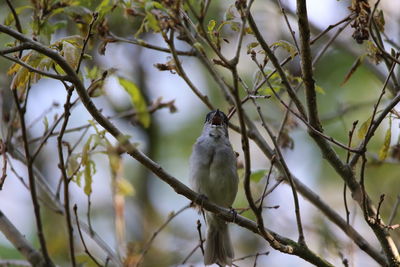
x=218 y=247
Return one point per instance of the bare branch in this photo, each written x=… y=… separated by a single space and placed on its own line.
x=19 y=242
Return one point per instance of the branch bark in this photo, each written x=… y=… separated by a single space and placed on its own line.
x=18 y=240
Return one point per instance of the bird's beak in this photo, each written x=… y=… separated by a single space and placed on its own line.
x=217 y=119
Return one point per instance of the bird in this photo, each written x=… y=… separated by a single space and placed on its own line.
x=213 y=175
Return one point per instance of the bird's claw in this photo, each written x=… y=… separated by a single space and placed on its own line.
x=198 y=202
x=234 y=214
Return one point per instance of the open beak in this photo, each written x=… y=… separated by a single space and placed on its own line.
x=217 y=119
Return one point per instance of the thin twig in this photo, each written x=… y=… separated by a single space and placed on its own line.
x=30 y=68
x=64 y=175
x=377 y=218
x=82 y=239
x=4 y=168
x=292 y=33
x=148 y=244
x=393 y=213
x=191 y=253
x=252 y=255
x=32 y=182
x=142 y=43
x=286 y=173
x=351 y=132
x=277 y=66
x=201 y=240
x=16 y=18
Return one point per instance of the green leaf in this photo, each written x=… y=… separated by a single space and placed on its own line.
x=152 y=22
x=211 y=25
x=383 y=153
x=104 y=7
x=364 y=128
x=251 y=45
x=10 y=17
x=256 y=176
x=137 y=100
x=286 y=46
x=153 y=5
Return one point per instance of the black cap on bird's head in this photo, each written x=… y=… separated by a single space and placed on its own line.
x=217 y=117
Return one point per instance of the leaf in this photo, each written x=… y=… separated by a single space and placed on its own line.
x=73 y=164
x=85 y=261
x=229 y=14
x=250 y=46
x=152 y=22
x=379 y=19
x=125 y=188
x=10 y=17
x=319 y=89
x=364 y=128
x=85 y=151
x=88 y=173
x=22 y=75
x=104 y=7
x=71 y=54
x=137 y=100
x=150 y=5
x=211 y=25
x=198 y=46
x=286 y=46
x=383 y=153
x=256 y=176
x=235 y=26
x=75 y=40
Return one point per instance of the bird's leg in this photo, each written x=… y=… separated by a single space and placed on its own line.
x=198 y=202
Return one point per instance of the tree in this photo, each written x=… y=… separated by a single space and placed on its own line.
x=296 y=75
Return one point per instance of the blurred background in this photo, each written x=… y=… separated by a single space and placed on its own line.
x=169 y=139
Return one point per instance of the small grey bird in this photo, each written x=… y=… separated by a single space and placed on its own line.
x=213 y=174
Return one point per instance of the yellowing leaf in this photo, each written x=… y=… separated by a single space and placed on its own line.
x=137 y=100
x=88 y=173
x=319 y=89
x=15 y=67
x=364 y=128
x=124 y=187
x=383 y=153
x=73 y=164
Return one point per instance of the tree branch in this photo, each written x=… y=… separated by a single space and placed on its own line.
x=19 y=242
